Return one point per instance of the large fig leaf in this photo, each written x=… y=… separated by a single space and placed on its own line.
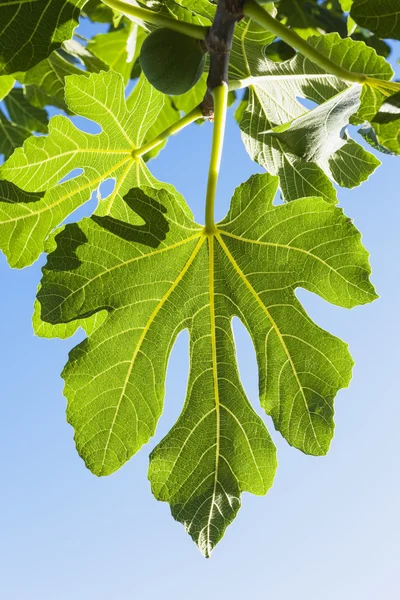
x=167 y=274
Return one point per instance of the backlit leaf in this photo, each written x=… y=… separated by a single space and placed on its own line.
x=166 y=274
x=44 y=162
x=387 y=124
x=119 y=49
x=31 y=29
x=6 y=84
x=278 y=130
x=45 y=82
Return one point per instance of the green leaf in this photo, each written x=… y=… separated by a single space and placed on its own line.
x=280 y=133
x=43 y=162
x=76 y=53
x=348 y=162
x=186 y=102
x=387 y=124
x=6 y=85
x=23 y=113
x=45 y=83
x=379 y=16
x=346 y=5
x=98 y=12
x=119 y=49
x=11 y=136
x=197 y=12
x=31 y=29
x=317 y=138
x=167 y=274
x=381 y=47
x=309 y=18
x=13 y=236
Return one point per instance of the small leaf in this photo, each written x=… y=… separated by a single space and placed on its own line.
x=250 y=268
x=387 y=124
x=186 y=102
x=24 y=114
x=118 y=49
x=45 y=82
x=309 y=18
x=11 y=136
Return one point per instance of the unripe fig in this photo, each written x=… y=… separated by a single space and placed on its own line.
x=172 y=62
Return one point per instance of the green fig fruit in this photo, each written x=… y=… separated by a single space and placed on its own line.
x=172 y=62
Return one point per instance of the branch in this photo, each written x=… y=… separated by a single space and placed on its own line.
x=219 y=43
x=199 y=32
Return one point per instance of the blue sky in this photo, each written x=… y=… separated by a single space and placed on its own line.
x=327 y=529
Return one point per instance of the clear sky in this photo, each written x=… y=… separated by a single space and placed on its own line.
x=328 y=529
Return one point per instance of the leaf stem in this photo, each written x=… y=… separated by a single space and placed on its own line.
x=238 y=84
x=198 y=32
x=258 y=14
x=191 y=116
x=220 y=94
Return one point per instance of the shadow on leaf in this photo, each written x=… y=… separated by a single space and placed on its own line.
x=155 y=227
x=12 y=194
x=389 y=112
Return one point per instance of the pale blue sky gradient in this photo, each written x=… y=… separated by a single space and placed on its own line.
x=328 y=529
